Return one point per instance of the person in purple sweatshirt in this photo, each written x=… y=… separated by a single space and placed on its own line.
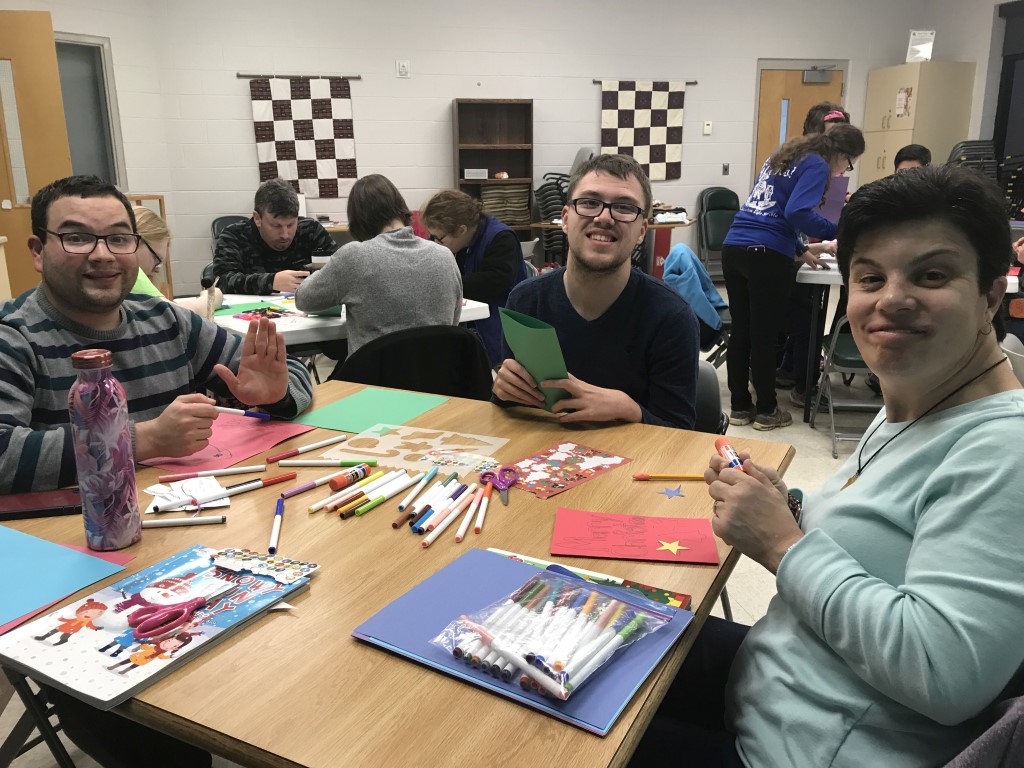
x=763 y=249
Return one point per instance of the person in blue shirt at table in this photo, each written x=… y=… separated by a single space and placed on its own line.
x=900 y=604
x=761 y=254
x=629 y=341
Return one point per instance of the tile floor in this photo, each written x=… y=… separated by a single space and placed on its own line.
x=750 y=587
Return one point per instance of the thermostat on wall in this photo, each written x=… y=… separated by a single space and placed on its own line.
x=476 y=173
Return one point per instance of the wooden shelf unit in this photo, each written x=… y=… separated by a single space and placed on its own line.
x=496 y=134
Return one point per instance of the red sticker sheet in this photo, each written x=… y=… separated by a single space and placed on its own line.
x=633 y=537
x=562 y=467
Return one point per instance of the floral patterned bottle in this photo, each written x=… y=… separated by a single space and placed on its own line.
x=103 y=453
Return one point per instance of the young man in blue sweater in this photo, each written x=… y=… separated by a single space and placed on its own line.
x=629 y=341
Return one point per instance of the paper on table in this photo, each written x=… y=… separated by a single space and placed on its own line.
x=116 y=558
x=234 y=439
x=234 y=309
x=43 y=572
x=535 y=345
x=633 y=537
x=188 y=489
x=369 y=407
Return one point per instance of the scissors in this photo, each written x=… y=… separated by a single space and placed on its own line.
x=152 y=620
x=502 y=478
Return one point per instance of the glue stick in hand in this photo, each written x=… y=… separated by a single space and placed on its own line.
x=728 y=453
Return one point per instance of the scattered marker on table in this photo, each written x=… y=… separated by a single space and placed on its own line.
x=173 y=522
x=647 y=476
x=304 y=448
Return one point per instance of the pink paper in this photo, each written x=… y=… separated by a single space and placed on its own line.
x=235 y=438
x=633 y=537
x=117 y=558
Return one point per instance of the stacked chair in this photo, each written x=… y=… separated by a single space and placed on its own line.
x=1011 y=179
x=980 y=155
x=551 y=198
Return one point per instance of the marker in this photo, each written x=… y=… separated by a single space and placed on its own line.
x=483 y=508
x=172 y=522
x=363 y=495
x=451 y=517
x=240 y=412
x=311 y=485
x=223 y=493
x=275 y=532
x=477 y=498
x=390 y=490
x=410 y=514
x=304 y=448
x=728 y=453
x=326 y=462
x=212 y=473
x=646 y=476
x=415 y=491
x=454 y=507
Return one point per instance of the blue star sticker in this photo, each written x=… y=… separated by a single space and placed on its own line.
x=670 y=493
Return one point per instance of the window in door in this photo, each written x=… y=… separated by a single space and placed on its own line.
x=12 y=152
x=90 y=106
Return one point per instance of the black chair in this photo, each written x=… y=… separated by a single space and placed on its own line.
x=216 y=228
x=439 y=359
x=711 y=418
x=718 y=206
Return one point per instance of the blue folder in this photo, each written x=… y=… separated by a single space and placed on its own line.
x=474 y=581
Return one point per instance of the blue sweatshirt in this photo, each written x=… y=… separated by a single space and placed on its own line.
x=782 y=205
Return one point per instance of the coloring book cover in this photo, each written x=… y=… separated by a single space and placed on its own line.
x=419 y=449
x=89 y=650
x=562 y=467
x=633 y=537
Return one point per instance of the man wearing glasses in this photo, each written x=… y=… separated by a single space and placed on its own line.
x=630 y=342
x=85 y=246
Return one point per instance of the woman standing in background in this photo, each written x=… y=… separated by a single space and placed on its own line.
x=758 y=261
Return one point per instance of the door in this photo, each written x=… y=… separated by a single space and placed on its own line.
x=782 y=104
x=33 y=135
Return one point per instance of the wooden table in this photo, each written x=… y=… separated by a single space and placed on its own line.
x=296 y=689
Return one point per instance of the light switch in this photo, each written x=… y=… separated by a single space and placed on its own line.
x=402 y=68
x=707 y=127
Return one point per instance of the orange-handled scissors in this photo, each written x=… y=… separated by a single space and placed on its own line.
x=153 y=620
x=502 y=478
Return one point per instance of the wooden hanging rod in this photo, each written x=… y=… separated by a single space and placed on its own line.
x=688 y=82
x=245 y=76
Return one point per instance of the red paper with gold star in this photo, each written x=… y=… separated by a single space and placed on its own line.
x=633 y=537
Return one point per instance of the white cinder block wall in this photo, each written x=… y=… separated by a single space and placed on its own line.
x=186 y=119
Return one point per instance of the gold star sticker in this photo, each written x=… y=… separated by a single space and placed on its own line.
x=670 y=546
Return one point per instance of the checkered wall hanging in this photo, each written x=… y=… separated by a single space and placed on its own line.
x=304 y=133
x=645 y=119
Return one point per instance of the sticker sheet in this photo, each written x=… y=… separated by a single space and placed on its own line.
x=562 y=467
x=415 y=448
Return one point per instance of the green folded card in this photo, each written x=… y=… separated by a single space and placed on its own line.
x=535 y=345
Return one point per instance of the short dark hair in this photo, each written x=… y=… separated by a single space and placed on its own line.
x=278 y=198
x=373 y=203
x=955 y=195
x=73 y=186
x=913 y=152
x=815 y=120
x=619 y=166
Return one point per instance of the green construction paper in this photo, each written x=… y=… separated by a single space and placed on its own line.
x=535 y=345
x=369 y=407
x=235 y=309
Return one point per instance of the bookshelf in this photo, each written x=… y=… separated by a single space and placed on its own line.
x=496 y=135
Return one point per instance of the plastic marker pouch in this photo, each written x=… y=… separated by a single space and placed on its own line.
x=520 y=629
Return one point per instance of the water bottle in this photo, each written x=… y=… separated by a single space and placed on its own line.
x=103 y=453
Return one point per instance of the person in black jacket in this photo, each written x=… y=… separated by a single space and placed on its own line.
x=268 y=252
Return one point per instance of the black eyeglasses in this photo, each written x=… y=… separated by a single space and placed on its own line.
x=849 y=165
x=156 y=256
x=591 y=208
x=438 y=238
x=82 y=243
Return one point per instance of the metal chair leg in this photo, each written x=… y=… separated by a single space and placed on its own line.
x=36 y=709
x=726 y=605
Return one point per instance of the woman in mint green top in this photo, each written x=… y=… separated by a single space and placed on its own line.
x=900 y=605
x=152 y=253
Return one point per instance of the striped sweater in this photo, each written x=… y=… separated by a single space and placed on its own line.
x=160 y=351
